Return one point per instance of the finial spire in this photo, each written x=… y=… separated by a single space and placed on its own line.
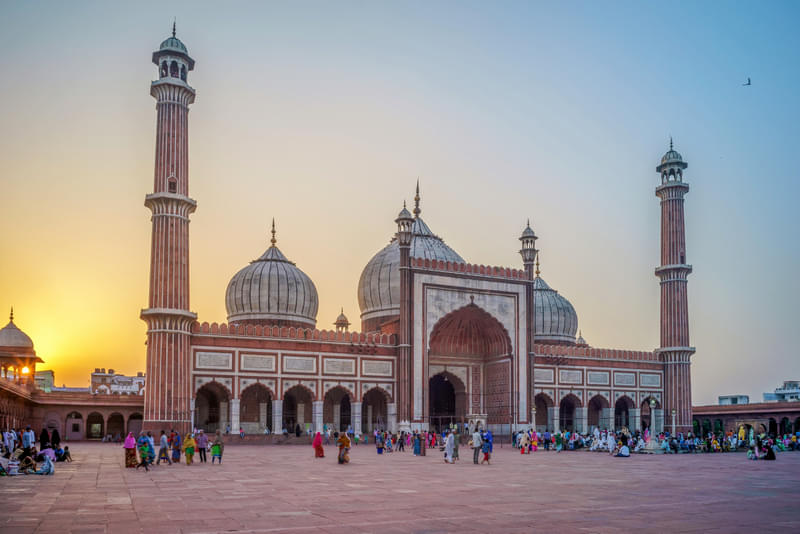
x=11 y=316
x=174 y=22
x=537 y=264
x=670 y=142
x=417 y=211
x=273 y=240
x=529 y=223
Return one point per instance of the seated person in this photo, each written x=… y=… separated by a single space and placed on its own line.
x=62 y=455
x=665 y=446
x=27 y=465
x=624 y=452
x=49 y=453
x=639 y=445
x=46 y=467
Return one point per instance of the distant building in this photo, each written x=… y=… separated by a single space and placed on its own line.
x=44 y=380
x=789 y=391
x=725 y=400
x=111 y=383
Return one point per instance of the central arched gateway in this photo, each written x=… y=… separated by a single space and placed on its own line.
x=470 y=370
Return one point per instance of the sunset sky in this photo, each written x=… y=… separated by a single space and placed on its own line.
x=324 y=114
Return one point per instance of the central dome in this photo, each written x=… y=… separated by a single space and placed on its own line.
x=555 y=317
x=379 y=285
x=272 y=290
x=13 y=337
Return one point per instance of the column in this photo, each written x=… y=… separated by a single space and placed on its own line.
x=606 y=418
x=355 y=416
x=552 y=418
x=235 y=415
x=581 y=415
x=316 y=412
x=636 y=419
x=262 y=416
x=223 y=416
x=658 y=420
x=391 y=408
x=277 y=416
x=337 y=417
x=301 y=415
x=369 y=418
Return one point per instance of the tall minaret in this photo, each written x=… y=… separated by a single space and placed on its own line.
x=529 y=255
x=675 y=351
x=167 y=401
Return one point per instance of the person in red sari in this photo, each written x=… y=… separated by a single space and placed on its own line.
x=319 y=452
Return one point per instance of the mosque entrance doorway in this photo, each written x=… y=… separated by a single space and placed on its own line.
x=336 y=410
x=646 y=414
x=566 y=412
x=255 y=409
x=211 y=407
x=297 y=404
x=469 y=346
x=94 y=426
x=622 y=411
x=447 y=400
x=544 y=412
x=594 y=413
x=374 y=410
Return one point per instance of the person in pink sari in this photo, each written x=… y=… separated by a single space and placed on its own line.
x=319 y=452
x=130 y=450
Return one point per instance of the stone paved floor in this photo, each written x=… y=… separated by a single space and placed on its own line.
x=284 y=489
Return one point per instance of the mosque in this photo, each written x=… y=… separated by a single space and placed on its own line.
x=441 y=341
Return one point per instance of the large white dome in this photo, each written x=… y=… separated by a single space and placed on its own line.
x=272 y=290
x=555 y=318
x=11 y=336
x=379 y=285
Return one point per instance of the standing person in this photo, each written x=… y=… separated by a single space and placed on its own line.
x=476 y=445
x=241 y=432
x=163 y=449
x=424 y=438
x=202 y=445
x=449 y=445
x=546 y=440
x=379 y=443
x=55 y=438
x=28 y=441
x=44 y=439
x=144 y=452
x=559 y=441
x=151 y=448
x=319 y=452
x=343 y=441
x=130 y=450
x=490 y=439
x=486 y=447
x=217 y=448
x=189 y=445
x=297 y=430
x=417 y=445
x=176 y=448
x=456 y=439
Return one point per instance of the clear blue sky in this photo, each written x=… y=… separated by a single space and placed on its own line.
x=323 y=114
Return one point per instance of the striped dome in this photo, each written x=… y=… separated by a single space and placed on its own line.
x=556 y=320
x=272 y=290
x=379 y=285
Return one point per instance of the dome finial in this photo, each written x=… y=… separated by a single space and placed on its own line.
x=417 y=211
x=11 y=316
x=537 y=264
x=174 y=22
x=273 y=240
x=670 y=142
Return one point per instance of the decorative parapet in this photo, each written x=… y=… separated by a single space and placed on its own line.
x=592 y=352
x=469 y=268
x=292 y=333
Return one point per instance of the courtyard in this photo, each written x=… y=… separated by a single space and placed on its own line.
x=284 y=489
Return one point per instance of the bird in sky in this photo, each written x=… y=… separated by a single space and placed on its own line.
x=748 y=81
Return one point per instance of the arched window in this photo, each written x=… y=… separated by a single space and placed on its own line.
x=172 y=185
x=183 y=72
x=164 y=69
x=173 y=69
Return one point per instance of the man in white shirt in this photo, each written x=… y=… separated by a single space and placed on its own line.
x=476 y=445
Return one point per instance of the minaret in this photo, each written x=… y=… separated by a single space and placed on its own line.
x=675 y=351
x=167 y=401
x=529 y=254
x=405 y=229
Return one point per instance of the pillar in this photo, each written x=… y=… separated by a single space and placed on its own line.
x=658 y=420
x=262 y=416
x=301 y=415
x=277 y=416
x=552 y=418
x=337 y=417
x=606 y=419
x=235 y=415
x=316 y=414
x=391 y=409
x=355 y=415
x=369 y=418
x=636 y=419
x=223 y=415
x=581 y=415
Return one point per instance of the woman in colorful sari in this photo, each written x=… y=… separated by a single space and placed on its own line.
x=130 y=450
x=417 y=445
x=176 y=448
x=344 y=447
x=319 y=452
x=189 y=446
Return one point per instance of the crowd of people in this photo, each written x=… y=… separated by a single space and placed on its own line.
x=19 y=454
x=171 y=447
